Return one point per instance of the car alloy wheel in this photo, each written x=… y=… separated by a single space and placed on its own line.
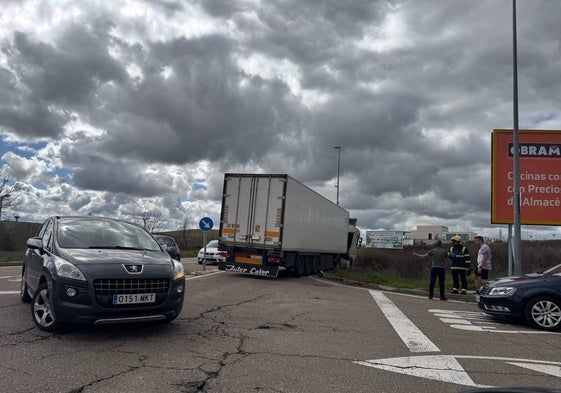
x=41 y=310
x=544 y=313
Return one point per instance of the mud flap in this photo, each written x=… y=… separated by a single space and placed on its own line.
x=263 y=271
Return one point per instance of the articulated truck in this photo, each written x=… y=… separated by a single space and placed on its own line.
x=271 y=222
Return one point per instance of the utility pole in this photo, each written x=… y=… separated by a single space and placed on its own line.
x=516 y=155
x=338 y=169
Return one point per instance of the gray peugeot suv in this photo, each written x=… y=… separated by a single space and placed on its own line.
x=99 y=270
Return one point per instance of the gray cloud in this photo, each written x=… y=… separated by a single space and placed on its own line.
x=136 y=111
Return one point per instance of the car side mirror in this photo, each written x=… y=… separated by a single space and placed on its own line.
x=35 y=243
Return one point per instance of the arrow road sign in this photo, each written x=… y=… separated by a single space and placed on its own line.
x=206 y=224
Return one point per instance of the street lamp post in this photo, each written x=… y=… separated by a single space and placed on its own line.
x=517 y=260
x=338 y=169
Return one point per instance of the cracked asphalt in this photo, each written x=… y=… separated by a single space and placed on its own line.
x=246 y=334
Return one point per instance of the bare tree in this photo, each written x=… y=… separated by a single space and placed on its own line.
x=184 y=229
x=152 y=221
x=9 y=192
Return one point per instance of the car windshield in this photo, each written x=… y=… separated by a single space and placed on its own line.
x=212 y=243
x=87 y=232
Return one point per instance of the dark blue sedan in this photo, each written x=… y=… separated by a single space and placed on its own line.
x=535 y=298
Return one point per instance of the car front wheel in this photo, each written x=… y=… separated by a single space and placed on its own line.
x=544 y=313
x=41 y=310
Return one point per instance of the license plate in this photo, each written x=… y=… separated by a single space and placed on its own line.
x=135 y=298
x=248 y=258
x=477 y=297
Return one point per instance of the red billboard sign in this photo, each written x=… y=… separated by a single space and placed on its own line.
x=540 y=177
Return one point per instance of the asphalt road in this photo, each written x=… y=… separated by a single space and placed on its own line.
x=245 y=334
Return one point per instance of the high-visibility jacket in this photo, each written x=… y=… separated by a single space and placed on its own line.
x=460 y=257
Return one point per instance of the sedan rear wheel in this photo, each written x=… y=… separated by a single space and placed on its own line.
x=41 y=310
x=544 y=313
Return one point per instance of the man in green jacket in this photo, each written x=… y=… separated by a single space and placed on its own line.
x=437 y=256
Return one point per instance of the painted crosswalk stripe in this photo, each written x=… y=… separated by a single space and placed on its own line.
x=410 y=334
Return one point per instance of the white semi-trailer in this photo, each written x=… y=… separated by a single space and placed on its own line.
x=271 y=222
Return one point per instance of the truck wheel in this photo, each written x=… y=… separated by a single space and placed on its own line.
x=300 y=267
x=308 y=266
x=315 y=265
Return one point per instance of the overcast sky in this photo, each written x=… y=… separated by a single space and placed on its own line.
x=122 y=107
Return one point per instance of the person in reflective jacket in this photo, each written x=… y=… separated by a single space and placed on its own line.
x=460 y=264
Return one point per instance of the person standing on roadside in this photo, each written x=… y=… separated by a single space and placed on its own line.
x=437 y=257
x=484 y=256
x=460 y=264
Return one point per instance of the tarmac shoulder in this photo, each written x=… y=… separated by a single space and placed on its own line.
x=468 y=298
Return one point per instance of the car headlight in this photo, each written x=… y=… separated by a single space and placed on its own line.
x=68 y=270
x=178 y=269
x=502 y=291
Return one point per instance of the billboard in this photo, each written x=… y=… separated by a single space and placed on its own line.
x=540 y=177
x=384 y=239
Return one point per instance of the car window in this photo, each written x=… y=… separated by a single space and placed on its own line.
x=43 y=227
x=168 y=241
x=47 y=234
x=213 y=243
x=99 y=233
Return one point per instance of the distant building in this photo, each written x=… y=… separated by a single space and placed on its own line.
x=428 y=232
x=466 y=236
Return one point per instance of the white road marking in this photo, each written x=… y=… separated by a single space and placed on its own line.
x=202 y=275
x=9 y=292
x=546 y=369
x=477 y=322
x=410 y=334
x=442 y=368
x=446 y=368
x=9 y=277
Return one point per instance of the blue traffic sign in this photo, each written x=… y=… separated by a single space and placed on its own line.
x=206 y=224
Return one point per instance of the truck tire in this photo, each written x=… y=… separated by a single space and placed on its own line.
x=315 y=265
x=307 y=266
x=300 y=267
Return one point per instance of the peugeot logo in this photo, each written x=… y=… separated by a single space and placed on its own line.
x=133 y=269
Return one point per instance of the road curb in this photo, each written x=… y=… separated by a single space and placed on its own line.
x=469 y=298
x=202 y=272
x=11 y=263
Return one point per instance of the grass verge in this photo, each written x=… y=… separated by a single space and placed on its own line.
x=11 y=256
x=380 y=278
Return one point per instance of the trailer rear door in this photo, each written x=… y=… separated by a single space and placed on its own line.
x=252 y=210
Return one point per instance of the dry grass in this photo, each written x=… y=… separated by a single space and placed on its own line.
x=536 y=256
